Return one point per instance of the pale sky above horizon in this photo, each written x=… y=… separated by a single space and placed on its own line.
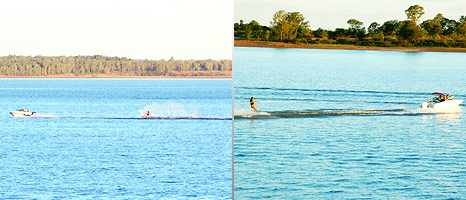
x=333 y=14
x=138 y=29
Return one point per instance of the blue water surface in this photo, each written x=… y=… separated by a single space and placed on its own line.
x=346 y=124
x=110 y=152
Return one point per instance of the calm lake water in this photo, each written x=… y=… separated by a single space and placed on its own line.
x=337 y=124
x=110 y=153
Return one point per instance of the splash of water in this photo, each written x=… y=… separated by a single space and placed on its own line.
x=248 y=112
x=45 y=116
x=337 y=112
x=170 y=109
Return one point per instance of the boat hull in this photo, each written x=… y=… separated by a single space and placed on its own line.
x=22 y=114
x=442 y=105
x=448 y=104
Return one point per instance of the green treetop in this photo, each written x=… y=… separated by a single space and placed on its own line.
x=414 y=13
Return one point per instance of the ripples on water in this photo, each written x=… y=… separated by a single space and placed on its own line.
x=338 y=124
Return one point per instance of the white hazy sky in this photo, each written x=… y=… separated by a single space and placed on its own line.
x=331 y=14
x=138 y=29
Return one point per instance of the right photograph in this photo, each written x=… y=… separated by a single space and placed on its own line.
x=349 y=100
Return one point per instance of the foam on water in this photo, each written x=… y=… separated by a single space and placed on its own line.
x=250 y=113
x=45 y=116
x=170 y=109
x=246 y=114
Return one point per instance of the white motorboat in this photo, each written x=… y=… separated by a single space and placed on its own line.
x=441 y=101
x=22 y=113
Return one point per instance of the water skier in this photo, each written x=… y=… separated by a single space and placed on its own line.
x=252 y=101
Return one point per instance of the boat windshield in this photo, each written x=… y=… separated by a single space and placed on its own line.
x=438 y=97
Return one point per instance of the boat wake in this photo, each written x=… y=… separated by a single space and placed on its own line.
x=141 y=118
x=168 y=111
x=338 y=112
x=249 y=113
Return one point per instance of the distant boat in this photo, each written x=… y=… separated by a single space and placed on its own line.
x=21 y=113
x=440 y=101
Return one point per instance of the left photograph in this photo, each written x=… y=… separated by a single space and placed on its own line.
x=116 y=99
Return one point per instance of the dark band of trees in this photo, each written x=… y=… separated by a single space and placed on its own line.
x=292 y=27
x=114 y=66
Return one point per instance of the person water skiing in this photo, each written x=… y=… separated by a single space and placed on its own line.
x=252 y=101
x=147 y=114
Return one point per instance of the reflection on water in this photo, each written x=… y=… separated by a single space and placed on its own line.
x=451 y=116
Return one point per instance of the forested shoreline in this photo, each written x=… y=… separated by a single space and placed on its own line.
x=109 y=66
x=292 y=27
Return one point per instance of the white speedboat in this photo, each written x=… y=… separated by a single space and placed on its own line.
x=22 y=113
x=441 y=101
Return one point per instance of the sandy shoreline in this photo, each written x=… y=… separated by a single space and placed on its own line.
x=131 y=77
x=242 y=43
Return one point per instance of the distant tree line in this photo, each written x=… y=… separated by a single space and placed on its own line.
x=292 y=27
x=102 y=65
